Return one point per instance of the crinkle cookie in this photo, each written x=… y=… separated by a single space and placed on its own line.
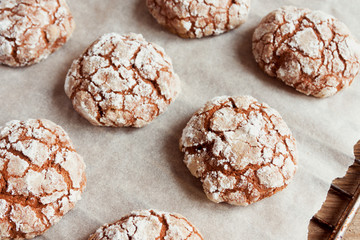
x=122 y=81
x=41 y=177
x=148 y=225
x=199 y=18
x=30 y=30
x=241 y=150
x=309 y=50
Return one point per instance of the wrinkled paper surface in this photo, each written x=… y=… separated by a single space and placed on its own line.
x=130 y=169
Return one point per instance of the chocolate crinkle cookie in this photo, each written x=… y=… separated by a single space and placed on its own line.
x=30 y=30
x=148 y=225
x=241 y=150
x=309 y=50
x=41 y=177
x=122 y=81
x=199 y=18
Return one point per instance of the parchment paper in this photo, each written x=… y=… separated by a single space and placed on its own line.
x=130 y=169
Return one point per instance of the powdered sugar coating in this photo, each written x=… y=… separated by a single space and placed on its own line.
x=41 y=177
x=199 y=18
x=241 y=150
x=309 y=50
x=148 y=225
x=30 y=30
x=122 y=81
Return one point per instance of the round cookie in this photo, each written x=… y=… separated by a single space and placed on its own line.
x=241 y=150
x=199 y=18
x=41 y=177
x=31 y=30
x=148 y=225
x=309 y=50
x=122 y=81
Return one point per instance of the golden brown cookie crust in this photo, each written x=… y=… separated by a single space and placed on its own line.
x=241 y=150
x=122 y=81
x=199 y=18
x=41 y=177
x=309 y=50
x=148 y=225
x=30 y=30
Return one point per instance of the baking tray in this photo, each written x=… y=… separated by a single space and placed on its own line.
x=335 y=216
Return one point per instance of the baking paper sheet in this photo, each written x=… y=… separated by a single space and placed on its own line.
x=130 y=169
